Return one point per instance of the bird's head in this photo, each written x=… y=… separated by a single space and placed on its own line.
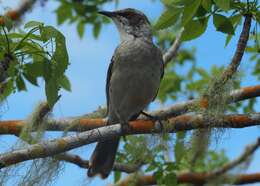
x=131 y=23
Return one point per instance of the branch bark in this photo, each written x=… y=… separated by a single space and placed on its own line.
x=193 y=178
x=84 y=124
x=180 y=123
x=172 y=51
x=236 y=60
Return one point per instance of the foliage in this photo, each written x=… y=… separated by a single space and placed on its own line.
x=82 y=12
x=38 y=52
x=194 y=15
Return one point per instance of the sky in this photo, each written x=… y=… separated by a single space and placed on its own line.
x=90 y=57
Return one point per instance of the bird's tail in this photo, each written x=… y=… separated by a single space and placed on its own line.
x=103 y=157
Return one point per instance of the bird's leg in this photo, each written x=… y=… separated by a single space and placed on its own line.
x=125 y=128
x=153 y=118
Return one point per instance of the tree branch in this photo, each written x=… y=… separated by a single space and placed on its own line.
x=240 y=50
x=249 y=150
x=77 y=160
x=192 y=178
x=83 y=124
x=204 y=177
x=180 y=123
x=17 y=13
x=172 y=51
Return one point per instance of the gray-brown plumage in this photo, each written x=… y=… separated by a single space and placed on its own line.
x=133 y=81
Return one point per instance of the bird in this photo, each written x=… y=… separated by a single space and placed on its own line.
x=133 y=80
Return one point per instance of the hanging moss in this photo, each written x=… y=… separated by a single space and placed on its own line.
x=212 y=107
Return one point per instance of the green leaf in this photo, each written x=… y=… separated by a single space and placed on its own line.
x=81 y=28
x=31 y=24
x=228 y=39
x=64 y=12
x=31 y=79
x=235 y=20
x=206 y=4
x=189 y=11
x=179 y=147
x=20 y=83
x=223 y=24
x=257 y=16
x=117 y=176
x=65 y=83
x=170 y=179
x=51 y=90
x=223 y=4
x=96 y=30
x=168 y=2
x=173 y=3
x=20 y=36
x=34 y=69
x=194 y=29
x=150 y=167
x=168 y=18
x=54 y=69
x=60 y=56
x=7 y=88
x=47 y=71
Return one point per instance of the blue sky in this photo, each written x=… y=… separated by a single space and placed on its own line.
x=89 y=60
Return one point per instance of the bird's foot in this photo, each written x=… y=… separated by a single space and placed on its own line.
x=125 y=128
x=154 y=118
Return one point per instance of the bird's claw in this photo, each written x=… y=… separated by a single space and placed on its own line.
x=155 y=119
x=125 y=128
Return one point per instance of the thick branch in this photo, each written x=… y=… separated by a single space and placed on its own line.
x=193 y=178
x=15 y=126
x=180 y=123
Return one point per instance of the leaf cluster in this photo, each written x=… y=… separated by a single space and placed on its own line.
x=81 y=13
x=194 y=16
x=38 y=52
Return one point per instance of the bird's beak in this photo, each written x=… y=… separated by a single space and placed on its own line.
x=107 y=13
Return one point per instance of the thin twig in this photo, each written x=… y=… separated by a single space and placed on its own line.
x=77 y=160
x=236 y=60
x=249 y=150
x=172 y=51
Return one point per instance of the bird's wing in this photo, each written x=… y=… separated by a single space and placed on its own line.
x=162 y=74
x=109 y=74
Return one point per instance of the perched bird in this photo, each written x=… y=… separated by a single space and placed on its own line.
x=133 y=80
